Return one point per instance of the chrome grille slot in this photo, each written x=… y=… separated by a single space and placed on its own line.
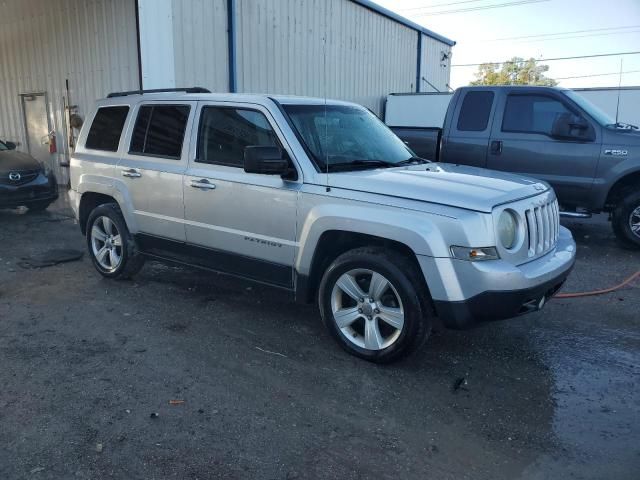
x=542 y=227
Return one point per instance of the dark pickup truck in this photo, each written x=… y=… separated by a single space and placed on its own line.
x=553 y=134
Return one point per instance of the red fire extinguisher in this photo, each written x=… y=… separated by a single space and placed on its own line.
x=53 y=148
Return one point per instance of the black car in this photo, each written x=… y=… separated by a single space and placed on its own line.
x=24 y=181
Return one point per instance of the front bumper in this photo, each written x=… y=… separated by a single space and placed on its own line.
x=467 y=293
x=41 y=189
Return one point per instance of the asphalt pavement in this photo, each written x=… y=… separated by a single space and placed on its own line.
x=185 y=374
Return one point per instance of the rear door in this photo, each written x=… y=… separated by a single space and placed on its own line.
x=153 y=165
x=237 y=222
x=469 y=128
x=521 y=142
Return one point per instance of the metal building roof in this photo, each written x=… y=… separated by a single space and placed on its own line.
x=405 y=21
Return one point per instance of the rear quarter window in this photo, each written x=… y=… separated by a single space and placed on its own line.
x=106 y=128
x=475 y=111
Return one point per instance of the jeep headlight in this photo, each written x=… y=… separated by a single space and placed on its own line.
x=507 y=229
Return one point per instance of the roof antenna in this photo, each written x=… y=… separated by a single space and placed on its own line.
x=326 y=129
x=619 y=88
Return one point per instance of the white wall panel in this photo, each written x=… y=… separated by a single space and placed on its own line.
x=43 y=42
x=200 y=44
x=280 y=50
x=433 y=68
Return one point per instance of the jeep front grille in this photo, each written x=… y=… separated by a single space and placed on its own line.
x=543 y=225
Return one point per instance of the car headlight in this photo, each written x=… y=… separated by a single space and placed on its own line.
x=507 y=229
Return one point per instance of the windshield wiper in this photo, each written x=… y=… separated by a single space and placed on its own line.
x=361 y=164
x=413 y=161
x=623 y=125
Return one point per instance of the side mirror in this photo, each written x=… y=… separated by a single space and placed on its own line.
x=265 y=160
x=567 y=125
x=10 y=145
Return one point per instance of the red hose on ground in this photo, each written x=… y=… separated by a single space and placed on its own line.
x=600 y=292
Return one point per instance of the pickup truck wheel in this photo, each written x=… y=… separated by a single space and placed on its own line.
x=626 y=219
x=369 y=301
x=111 y=247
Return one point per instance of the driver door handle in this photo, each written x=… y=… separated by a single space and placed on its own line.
x=203 y=184
x=496 y=147
x=131 y=173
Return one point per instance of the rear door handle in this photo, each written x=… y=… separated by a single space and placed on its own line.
x=496 y=147
x=203 y=184
x=131 y=173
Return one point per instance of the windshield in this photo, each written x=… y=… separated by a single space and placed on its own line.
x=601 y=117
x=347 y=137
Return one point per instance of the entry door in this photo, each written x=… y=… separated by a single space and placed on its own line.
x=521 y=142
x=36 y=121
x=238 y=222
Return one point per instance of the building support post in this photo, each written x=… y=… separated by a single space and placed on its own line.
x=231 y=43
x=419 y=63
x=155 y=39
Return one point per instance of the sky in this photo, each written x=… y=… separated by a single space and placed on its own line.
x=555 y=28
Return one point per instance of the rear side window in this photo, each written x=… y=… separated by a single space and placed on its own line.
x=224 y=132
x=106 y=129
x=159 y=130
x=531 y=114
x=475 y=111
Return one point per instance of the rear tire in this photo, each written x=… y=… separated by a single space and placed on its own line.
x=372 y=303
x=626 y=219
x=112 y=248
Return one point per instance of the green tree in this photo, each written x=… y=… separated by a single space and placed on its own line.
x=516 y=71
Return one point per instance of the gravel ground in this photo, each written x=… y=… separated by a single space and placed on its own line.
x=89 y=367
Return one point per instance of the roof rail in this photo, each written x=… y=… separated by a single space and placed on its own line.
x=159 y=90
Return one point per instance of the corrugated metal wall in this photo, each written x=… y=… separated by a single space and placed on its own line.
x=200 y=44
x=43 y=42
x=436 y=70
x=280 y=50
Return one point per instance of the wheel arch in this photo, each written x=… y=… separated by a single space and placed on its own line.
x=333 y=243
x=617 y=191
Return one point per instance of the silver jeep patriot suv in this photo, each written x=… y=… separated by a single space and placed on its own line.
x=318 y=198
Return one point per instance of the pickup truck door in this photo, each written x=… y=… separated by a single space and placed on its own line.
x=521 y=142
x=237 y=222
x=467 y=131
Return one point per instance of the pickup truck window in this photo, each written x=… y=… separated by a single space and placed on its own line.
x=601 y=117
x=106 y=129
x=475 y=111
x=531 y=114
x=224 y=132
x=346 y=137
x=159 y=130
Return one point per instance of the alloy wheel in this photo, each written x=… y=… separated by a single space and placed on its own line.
x=106 y=243
x=634 y=222
x=367 y=309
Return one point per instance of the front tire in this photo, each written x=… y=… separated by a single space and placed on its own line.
x=111 y=247
x=372 y=303
x=626 y=219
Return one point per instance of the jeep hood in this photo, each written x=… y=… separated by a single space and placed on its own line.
x=460 y=186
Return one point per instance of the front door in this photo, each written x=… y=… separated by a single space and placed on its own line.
x=521 y=142
x=36 y=122
x=240 y=223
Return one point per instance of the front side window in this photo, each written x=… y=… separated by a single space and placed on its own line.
x=475 y=111
x=531 y=114
x=106 y=128
x=159 y=130
x=344 y=136
x=224 y=133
